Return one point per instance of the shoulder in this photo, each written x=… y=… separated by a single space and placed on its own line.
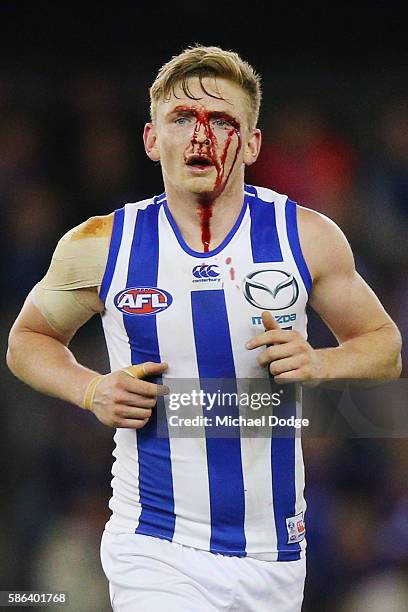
x=324 y=245
x=80 y=257
x=266 y=195
x=91 y=229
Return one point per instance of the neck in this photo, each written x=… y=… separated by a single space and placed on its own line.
x=204 y=220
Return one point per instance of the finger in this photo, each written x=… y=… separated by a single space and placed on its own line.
x=283 y=366
x=139 y=371
x=290 y=377
x=148 y=368
x=131 y=412
x=136 y=400
x=269 y=321
x=144 y=388
x=135 y=371
x=273 y=353
x=131 y=423
x=275 y=336
x=155 y=369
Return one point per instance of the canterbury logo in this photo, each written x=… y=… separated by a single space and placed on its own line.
x=205 y=271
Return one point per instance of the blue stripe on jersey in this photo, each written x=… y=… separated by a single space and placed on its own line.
x=264 y=234
x=116 y=238
x=250 y=189
x=293 y=237
x=283 y=475
x=160 y=198
x=215 y=361
x=157 y=517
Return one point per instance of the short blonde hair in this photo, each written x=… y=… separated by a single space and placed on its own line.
x=203 y=62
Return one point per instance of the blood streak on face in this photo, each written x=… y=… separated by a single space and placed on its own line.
x=209 y=148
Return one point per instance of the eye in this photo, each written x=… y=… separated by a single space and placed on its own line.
x=221 y=123
x=181 y=120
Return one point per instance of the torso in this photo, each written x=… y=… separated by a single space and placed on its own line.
x=165 y=302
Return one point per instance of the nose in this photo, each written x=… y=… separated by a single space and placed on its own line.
x=200 y=134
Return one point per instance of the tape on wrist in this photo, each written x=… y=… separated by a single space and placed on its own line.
x=90 y=392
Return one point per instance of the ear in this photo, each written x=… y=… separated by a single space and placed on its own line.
x=150 y=142
x=253 y=147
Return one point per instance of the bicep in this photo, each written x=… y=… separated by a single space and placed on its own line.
x=347 y=304
x=58 y=314
x=340 y=296
x=67 y=296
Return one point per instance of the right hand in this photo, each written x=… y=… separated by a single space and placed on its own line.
x=123 y=401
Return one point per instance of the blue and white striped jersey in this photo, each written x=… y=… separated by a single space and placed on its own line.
x=165 y=302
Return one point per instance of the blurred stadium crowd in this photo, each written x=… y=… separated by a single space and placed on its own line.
x=70 y=147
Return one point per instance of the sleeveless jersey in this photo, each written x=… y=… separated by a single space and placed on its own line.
x=196 y=311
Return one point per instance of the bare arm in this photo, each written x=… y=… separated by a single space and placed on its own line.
x=63 y=301
x=39 y=355
x=369 y=341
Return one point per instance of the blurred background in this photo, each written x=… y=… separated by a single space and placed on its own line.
x=73 y=101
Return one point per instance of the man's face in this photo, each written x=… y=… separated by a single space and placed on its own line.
x=203 y=144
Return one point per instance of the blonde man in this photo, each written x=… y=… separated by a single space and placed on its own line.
x=192 y=284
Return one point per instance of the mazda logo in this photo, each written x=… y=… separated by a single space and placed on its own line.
x=271 y=289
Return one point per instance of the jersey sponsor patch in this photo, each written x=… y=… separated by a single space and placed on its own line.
x=278 y=318
x=271 y=289
x=142 y=300
x=295 y=526
x=204 y=273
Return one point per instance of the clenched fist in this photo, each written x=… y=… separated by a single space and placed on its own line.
x=289 y=357
x=122 y=399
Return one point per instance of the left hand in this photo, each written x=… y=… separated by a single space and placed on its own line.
x=288 y=355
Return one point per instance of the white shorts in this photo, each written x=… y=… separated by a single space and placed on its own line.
x=148 y=574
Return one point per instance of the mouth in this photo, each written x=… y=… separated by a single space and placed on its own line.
x=199 y=162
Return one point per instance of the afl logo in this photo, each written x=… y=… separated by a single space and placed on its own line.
x=142 y=300
x=271 y=289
